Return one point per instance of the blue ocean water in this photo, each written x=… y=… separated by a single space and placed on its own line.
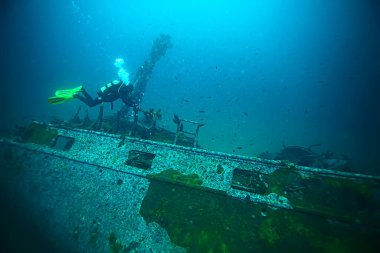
x=260 y=74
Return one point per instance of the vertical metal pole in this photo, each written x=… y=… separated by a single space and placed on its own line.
x=135 y=121
x=177 y=132
x=99 y=124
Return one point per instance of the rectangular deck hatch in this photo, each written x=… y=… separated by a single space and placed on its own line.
x=140 y=159
x=249 y=181
x=63 y=142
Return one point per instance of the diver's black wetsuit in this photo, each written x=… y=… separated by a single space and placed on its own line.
x=108 y=93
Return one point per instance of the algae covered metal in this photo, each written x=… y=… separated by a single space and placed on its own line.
x=98 y=192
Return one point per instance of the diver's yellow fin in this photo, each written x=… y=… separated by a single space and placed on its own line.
x=62 y=96
x=69 y=92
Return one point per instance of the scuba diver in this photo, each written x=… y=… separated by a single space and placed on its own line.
x=130 y=93
x=110 y=92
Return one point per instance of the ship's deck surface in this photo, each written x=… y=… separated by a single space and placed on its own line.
x=102 y=192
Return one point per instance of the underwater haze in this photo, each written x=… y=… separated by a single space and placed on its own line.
x=260 y=74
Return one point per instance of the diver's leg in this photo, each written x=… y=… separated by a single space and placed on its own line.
x=85 y=93
x=88 y=100
x=83 y=99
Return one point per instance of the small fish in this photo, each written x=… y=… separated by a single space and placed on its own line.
x=246 y=114
x=185 y=100
x=239 y=148
x=201 y=111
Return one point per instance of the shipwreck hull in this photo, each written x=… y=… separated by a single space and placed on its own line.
x=95 y=192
